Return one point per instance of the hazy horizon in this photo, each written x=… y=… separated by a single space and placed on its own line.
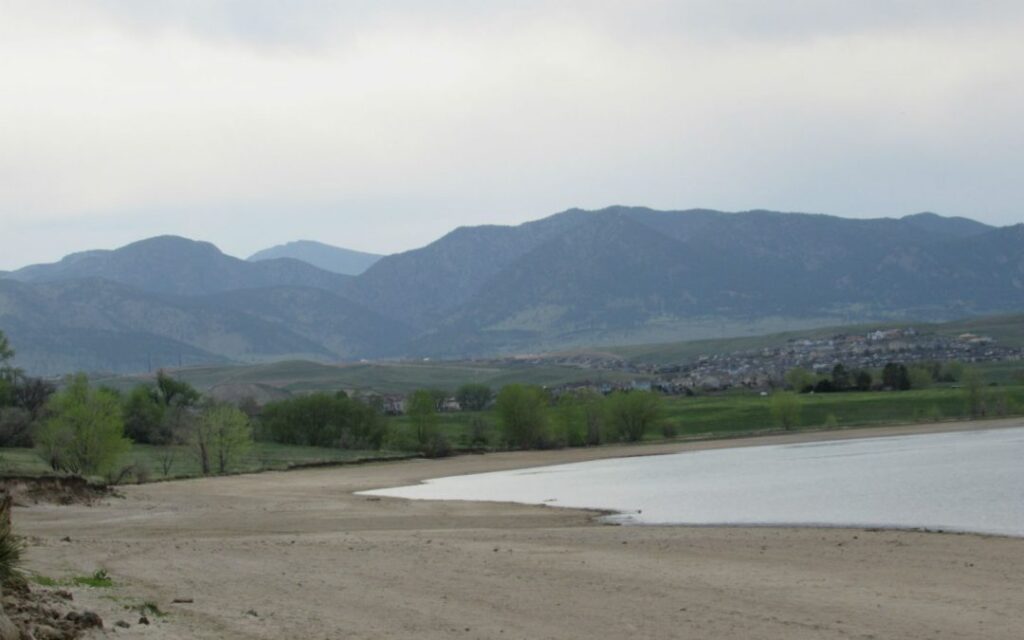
x=290 y=241
x=379 y=127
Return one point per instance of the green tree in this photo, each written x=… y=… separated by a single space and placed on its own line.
x=8 y=374
x=800 y=379
x=85 y=433
x=222 y=436
x=171 y=392
x=422 y=411
x=22 y=401
x=920 y=377
x=997 y=402
x=473 y=397
x=6 y=354
x=323 y=420
x=6 y=393
x=786 y=409
x=569 y=419
x=581 y=417
x=592 y=408
x=179 y=400
x=630 y=414
x=974 y=392
x=440 y=397
x=952 y=371
x=32 y=394
x=522 y=410
x=841 y=378
x=896 y=376
x=862 y=380
x=144 y=417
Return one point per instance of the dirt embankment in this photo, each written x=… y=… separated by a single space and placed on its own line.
x=26 y=490
x=298 y=555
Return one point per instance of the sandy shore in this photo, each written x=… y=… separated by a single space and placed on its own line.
x=297 y=555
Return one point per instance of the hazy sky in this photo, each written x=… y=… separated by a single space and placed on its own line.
x=381 y=125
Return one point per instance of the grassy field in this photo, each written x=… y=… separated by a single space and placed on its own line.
x=708 y=416
x=1001 y=373
x=1008 y=331
x=732 y=413
x=265 y=456
x=380 y=377
x=402 y=377
x=744 y=412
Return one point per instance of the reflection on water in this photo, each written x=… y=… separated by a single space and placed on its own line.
x=965 y=481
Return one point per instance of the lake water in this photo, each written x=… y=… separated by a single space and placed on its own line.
x=964 y=481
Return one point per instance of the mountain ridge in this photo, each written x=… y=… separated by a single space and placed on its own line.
x=323 y=256
x=618 y=275
x=177 y=265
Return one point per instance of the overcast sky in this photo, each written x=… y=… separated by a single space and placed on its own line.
x=382 y=125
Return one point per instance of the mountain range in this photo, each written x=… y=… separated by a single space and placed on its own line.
x=616 y=276
x=318 y=254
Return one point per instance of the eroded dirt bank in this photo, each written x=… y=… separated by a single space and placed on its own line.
x=297 y=555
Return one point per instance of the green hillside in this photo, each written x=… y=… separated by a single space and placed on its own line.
x=1006 y=330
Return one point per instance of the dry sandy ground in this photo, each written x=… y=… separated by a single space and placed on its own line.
x=297 y=555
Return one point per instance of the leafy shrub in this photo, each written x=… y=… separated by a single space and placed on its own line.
x=99 y=579
x=323 y=420
x=631 y=414
x=11 y=548
x=15 y=427
x=478 y=432
x=144 y=417
x=85 y=433
x=786 y=409
x=437 y=447
x=421 y=407
x=221 y=437
x=522 y=410
x=474 y=397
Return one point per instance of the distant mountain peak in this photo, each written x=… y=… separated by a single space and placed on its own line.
x=953 y=226
x=324 y=256
x=177 y=265
x=612 y=276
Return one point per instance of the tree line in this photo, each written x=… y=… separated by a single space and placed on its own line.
x=87 y=430
x=894 y=376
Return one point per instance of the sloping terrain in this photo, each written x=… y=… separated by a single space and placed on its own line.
x=169 y=264
x=320 y=255
x=629 y=274
x=300 y=555
x=622 y=275
x=97 y=325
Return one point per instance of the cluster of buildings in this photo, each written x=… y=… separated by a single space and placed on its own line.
x=759 y=369
x=765 y=368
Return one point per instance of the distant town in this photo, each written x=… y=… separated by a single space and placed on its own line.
x=764 y=369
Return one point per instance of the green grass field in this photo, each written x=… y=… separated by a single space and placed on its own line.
x=732 y=413
x=402 y=377
x=744 y=412
x=265 y=456
x=707 y=416
x=1007 y=331
x=379 y=377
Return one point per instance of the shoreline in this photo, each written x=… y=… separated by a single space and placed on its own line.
x=623 y=515
x=528 y=459
x=296 y=554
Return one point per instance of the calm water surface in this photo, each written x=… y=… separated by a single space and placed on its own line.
x=965 y=481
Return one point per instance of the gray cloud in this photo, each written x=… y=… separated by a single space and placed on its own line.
x=302 y=22
x=381 y=125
